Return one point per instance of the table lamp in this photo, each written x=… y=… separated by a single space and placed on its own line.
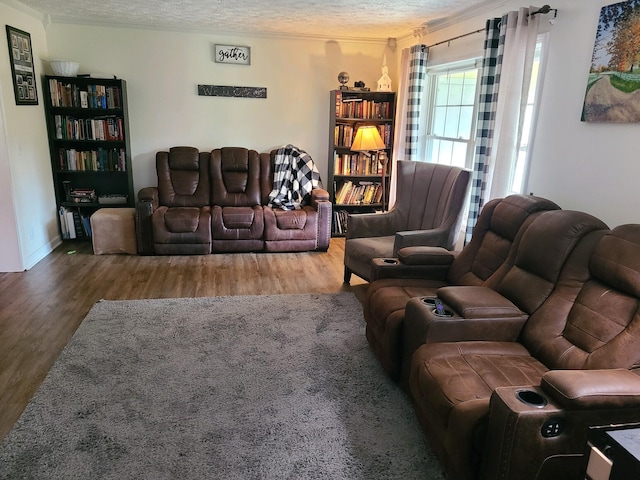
x=368 y=140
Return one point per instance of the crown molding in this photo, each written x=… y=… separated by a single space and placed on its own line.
x=24 y=9
x=60 y=20
x=471 y=12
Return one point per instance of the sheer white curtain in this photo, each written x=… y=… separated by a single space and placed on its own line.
x=413 y=75
x=520 y=38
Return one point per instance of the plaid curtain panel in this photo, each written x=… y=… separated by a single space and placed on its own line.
x=415 y=89
x=487 y=104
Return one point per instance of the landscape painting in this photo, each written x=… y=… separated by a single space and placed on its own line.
x=613 y=90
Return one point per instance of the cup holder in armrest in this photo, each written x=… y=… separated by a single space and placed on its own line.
x=531 y=398
x=390 y=261
x=429 y=301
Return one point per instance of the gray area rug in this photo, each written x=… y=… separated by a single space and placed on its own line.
x=245 y=387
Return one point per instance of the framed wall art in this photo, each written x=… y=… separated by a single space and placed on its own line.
x=235 y=54
x=613 y=87
x=22 y=70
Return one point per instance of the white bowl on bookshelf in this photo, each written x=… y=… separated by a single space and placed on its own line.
x=64 y=68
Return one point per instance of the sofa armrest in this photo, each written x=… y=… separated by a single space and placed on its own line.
x=149 y=194
x=479 y=302
x=319 y=195
x=423 y=255
x=362 y=225
x=593 y=389
x=321 y=203
x=430 y=263
x=145 y=206
x=411 y=238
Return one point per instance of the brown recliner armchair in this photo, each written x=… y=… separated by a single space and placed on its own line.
x=237 y=218
x=484 y=261
x=175 y=217
x=428 y=211
x=520 y=407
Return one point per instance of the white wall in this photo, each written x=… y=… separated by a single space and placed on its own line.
x=28 y=217
x=591 y=167
x=163 y=69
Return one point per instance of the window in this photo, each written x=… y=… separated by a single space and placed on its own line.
x=451 y=117
x=451 y=113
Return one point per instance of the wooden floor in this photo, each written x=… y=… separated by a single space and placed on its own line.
x=40 y=309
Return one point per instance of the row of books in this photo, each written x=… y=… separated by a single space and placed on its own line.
x=74 y=224
x=361 y=193
x=87 y=96
x=340 y=221
x=100 y=128
x=356 y=107
x=100 y=160
x=357 y=164
x=345 y=133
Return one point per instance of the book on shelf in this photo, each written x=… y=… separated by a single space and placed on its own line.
x=74 y=223
x=344 y=134
x=356 y=164
x=358 y=107
x=82 y=195
x=99 y=160
x=340 y=221
x=70 y=94
x=108 y=128
x=362 y=193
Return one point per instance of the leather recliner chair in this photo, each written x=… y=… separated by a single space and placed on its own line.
x=519 y=405
x=428 y=211
x=237 y=219
x=175 y=217
x=420 y=271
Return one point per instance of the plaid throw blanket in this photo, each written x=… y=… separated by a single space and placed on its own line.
x=294 y=176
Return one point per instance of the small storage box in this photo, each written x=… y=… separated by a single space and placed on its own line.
x=114 y=231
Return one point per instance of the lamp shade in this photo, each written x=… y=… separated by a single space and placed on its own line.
x=367 y=139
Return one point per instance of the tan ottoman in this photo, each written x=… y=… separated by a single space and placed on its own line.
x=113 y=230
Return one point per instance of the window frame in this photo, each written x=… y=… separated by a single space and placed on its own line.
x=428 y=111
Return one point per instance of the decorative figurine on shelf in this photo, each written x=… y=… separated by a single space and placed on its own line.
x=343 y=78
x=384 y=82
x=360 y=85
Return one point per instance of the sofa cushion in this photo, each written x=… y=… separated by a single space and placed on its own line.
x=235 y=177
x=181 y=230
x=183 y=177
x=184 y=158
x=290 y=219
x=446 y=374
x=238 y=217
x=182 y=219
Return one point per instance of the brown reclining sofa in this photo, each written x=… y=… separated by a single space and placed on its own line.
x=509 y=380
x=209 y=202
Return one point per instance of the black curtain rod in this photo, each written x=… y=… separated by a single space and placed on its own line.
x=543 y=10
x=456 y=38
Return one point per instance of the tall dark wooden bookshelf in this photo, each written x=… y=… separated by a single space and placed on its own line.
x=355 y=179
x=88 y=130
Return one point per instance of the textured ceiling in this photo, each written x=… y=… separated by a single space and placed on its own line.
x=378 y=19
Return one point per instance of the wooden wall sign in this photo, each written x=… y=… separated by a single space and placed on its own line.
x=235 y=54
x=228 y=91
